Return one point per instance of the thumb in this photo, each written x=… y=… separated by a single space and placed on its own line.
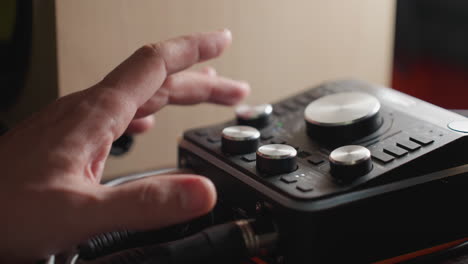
x=155 y=202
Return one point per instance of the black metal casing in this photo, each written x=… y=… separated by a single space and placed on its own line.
x=389 y=211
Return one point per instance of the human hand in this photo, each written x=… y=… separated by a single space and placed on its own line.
x=52 y=163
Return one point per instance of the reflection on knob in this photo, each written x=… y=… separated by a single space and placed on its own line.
x=240 y=139
x=342 y=117
x=257 y=116
x=276 y=159
x=350 y=162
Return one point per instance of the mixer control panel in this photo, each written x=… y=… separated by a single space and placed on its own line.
x=337 y=137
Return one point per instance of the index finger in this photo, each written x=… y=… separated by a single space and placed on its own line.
x=119 y=95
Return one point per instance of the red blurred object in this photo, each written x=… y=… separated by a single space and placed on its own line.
x=440 y=83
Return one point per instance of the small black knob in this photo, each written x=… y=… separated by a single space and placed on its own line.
x=122 y=145
x=276 y=159
x=258 y=116
x=348 y=163
x=240 y=139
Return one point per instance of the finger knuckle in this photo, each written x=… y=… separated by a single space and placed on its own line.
x=192 y=44
x=190 y=40
x=151 y=49
x=101 y=106
x=156 y=53
x=112 y=99
x=59 y=110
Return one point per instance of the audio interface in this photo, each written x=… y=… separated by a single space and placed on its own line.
x=349 y=171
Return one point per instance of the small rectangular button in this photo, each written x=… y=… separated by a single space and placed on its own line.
x=325 y=167
x=201 y=133
x=278 y=110
x=408 y=145
x=382 y=157
x=315 y=159
x=249 y=157
x=303 y=154
x=395 y=151
x=266 y=135
x=302 y=100
x=288 y=178
x=315 y=93
x=278 y=141
x=290 y=106
x=304 y=186
x=421 y=140
x=213 y=139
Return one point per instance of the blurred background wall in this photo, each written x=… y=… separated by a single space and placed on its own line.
x=280 y=47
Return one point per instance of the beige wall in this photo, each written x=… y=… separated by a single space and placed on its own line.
x=280 y=47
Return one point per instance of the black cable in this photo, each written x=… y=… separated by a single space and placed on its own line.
x=228 y=243
x=108 y=243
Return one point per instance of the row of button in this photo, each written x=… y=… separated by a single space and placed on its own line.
x=401 y=148
x=388 y=154
x=249 y=157
x=313 y=159
x=293 y=105
x=211 y=139
x=216 y=139
x=303 y=186
x=267 y=135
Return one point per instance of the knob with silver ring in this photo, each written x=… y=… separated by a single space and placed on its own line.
x=350 y=162
x=342 y=117
x=240 y=139
x=276 y=159
x=257 y=116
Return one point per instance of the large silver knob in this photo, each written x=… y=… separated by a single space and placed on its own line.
x=240 y=139
x=276 y=159
x=350 y=162
x=342 y=117
x=257 y=116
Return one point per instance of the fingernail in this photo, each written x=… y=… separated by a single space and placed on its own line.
x=245 y=86
x=227 y=33
x=210 y=71
x=197 y=195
